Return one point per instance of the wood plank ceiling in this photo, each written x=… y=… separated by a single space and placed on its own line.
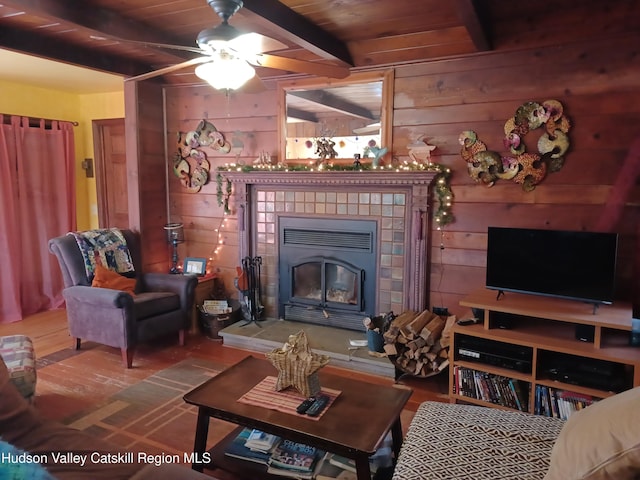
x=105 y=35
x=360 y=34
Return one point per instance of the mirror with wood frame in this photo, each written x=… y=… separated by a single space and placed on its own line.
x=354 y=114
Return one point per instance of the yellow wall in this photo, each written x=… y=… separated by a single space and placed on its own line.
x=20 y=99
x=98 y=106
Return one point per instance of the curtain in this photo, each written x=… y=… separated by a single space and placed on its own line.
x=37 y=202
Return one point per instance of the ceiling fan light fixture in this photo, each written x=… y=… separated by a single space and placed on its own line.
x=247 y=43
x=225 y=72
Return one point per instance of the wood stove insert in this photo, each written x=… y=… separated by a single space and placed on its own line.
x=327 y=270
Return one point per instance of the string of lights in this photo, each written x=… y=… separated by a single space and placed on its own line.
x=442 y=215
x=220 y=242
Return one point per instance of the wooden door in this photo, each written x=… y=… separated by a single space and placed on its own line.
x=111 y=173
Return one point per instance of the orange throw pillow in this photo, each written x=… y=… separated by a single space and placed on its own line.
x=105 y=278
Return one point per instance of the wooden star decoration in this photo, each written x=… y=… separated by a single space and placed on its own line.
x=297 y=365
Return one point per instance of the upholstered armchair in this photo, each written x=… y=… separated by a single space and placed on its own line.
x=161 y=305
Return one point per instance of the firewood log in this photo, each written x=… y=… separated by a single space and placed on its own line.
x=432 y=331
x=414 y=327
x=431 y=356
x=394 y=329
x=445 y=339
x=390 y=349
x=422 y=352
x=443 y=365
x=417 y=344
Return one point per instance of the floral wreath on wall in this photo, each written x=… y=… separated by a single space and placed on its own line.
x=526 y=168
x=190 y=162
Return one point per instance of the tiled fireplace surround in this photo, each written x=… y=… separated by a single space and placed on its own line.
x=397 y=201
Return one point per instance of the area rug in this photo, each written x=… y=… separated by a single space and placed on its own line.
x=151 y=416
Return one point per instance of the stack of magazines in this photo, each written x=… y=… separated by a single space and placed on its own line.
x=296 y=460
x=252 y=445
x=216 y=307
x=300 y=461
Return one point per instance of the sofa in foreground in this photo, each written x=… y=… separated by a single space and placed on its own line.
x=466 y=442
x=44 y=449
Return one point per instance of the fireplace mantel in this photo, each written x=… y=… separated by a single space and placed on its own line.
x=260 y=197
x=347 y=177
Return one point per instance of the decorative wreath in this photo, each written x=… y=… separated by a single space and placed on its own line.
x=526 y=168
x=190 y=164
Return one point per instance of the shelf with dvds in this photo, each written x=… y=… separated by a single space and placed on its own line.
x=558 y=403
x=471 y=384
x=545 y=346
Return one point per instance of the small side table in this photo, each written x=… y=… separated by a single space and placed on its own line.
x=204 y=289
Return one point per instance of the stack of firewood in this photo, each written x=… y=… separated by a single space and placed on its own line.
x=418 y=343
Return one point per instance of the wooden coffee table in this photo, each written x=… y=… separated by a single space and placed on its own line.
x=354 y=426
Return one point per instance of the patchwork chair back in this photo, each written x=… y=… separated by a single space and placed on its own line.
x=161 y=305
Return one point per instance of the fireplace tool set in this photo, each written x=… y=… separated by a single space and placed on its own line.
x=248 y=282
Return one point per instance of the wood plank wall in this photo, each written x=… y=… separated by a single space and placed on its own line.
x=248 y=122
x=146 y=168
x=598 y=82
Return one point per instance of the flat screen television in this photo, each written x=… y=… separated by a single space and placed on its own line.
x=555 y=263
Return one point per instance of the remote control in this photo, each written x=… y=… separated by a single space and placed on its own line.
x=319 y=405
x=304 y=406
x=468 y=321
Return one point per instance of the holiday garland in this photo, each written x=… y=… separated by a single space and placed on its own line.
x=442 y=184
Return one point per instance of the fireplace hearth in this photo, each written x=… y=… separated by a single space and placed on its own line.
x=327 y=270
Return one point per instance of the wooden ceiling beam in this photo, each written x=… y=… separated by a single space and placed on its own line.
x=332 y=102
x=473 y=14
x=44 y=47
x=292 y=26
x=101 y=21
x=301 y=115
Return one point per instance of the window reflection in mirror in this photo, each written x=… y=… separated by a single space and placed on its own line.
x=353 y=113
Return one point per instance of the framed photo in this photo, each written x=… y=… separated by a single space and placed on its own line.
x=195 y=265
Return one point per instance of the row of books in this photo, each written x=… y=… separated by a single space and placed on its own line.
x=489 y=387
x=297 y=460
x=553 y=402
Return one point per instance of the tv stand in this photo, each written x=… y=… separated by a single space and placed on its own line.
x=542 y=335
x=499 y=294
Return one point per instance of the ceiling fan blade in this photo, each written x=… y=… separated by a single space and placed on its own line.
x=300 y=66
x=255 y=43
x=253 y=85
x=169 y=69
x=166 y=46
x=372 y=128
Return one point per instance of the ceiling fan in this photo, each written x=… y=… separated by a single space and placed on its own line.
x=228 y=55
